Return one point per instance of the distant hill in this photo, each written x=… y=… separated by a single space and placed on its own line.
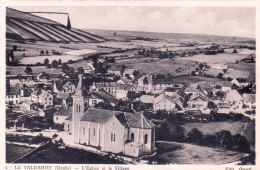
x=25 y=26
x=170 y=36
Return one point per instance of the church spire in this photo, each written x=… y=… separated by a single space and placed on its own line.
x=79 y=87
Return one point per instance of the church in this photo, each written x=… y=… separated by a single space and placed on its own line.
x=120 y=132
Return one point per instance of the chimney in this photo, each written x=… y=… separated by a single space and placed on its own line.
x=68 y=23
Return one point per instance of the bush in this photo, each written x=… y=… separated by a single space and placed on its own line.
x=195 y=136
x=241 y=144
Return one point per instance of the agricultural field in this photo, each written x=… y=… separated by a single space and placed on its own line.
x=222 y=58
x=14 y=152
x=162 y=66
x=180 y=153
x=35 y=69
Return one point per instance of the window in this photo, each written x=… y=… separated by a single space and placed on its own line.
x=49 y=98
x=76 y=108
x=113 y=137
x=45 y=99
x=94 y=132
x=132 y=136
x=57 y=118
x=94 y=101
x=84 y=130
x=145 y=139
x=79 y=108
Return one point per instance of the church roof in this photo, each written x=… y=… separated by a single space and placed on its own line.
x=127 y=119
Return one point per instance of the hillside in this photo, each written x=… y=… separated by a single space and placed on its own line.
x=25 y=26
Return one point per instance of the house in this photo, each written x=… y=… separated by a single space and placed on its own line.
x=192 y=88
x=249 y=101
x=68 y=124
x=131 y=134
x=63 y=87
x=61 y=115
x=147 y=99
x=94 y=99
x=122 y=90
x=224 y=107
x=199 y=99
x=109 y=87
x=164 y=102
x=145 y=83
x=234 y=98
x=218 y=66
x=116 y=69
x=42 y=97
x=12 y=96
x=226 y=86
x=102 y=96
x=131 y=73
x=46 y=112
x=27 y=104
x=236 y=82
x=63 y=99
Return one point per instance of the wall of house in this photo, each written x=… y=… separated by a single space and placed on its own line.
x=68 y=126
x=46 y=100
x=164 y=105
x=15 y=99
x=91 y=102
x=121 y=94
x=59 y=119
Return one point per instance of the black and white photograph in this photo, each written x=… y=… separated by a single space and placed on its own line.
x=150 y=85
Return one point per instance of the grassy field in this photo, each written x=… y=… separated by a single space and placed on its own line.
x=221 y=58
x=14 y=152
x=196 y=79
x=249 y=67
x=180 y=153
x=162 y=66
x=35 y=69
x=245 y=129
x=52 y=154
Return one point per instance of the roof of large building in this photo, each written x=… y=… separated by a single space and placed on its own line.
x=249 y=97
x=102 y=94
x=232 y=95
x=26 y=26
x=64 y=111
x=125 y=118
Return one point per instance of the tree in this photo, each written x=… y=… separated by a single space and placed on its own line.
x=28 y=70
x=224 y=71
x=220 y=76
x=47 y=52
x=59 y=61
x=145 y=80
x=54 y=64
x=41 y=52
x=80 y=70
x=225 y=139
x=201 y=66
x=46 y=61
x=193 y=73
x=195 y=136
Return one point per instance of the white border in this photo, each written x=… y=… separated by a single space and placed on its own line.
x=194 y=3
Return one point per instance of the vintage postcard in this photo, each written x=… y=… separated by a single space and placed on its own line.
x=120 y=86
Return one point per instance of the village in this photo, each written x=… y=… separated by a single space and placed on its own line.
x=141 y=104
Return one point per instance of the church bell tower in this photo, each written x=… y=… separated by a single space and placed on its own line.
x=78 y=110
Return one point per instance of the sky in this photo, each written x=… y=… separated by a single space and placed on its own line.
x=226 y=21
